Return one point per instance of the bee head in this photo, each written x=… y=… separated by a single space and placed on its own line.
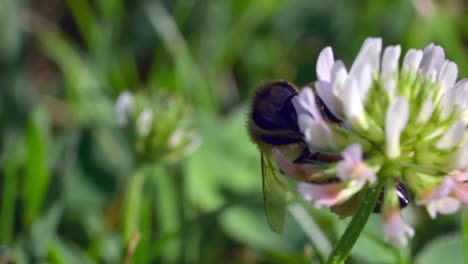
x=272 y=108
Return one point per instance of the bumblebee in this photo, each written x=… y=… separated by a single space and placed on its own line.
x=273 y=124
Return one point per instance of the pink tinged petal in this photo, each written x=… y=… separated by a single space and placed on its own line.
x=448 y=74
x=328 y=194
x=440 y=200
x=460 y=176
x=452 y=137
x=444 y=189
x=324 y=90
x=299 y=107
x=307 y=101
x=303 y=172
x=461 y=193
x=432 y=61
x=352 y=167
x=412 y=60
x=390 y=59
x=395 y=230
x=358 y=172
x=425 y=112
x=396 y=119
x=324 y=64
x=353 y=153
x=368 y=54
x=316 y=131
x=460 y=158
x=353 y=107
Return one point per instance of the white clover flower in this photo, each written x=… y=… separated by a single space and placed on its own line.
x=123 y=108
x=405 y=122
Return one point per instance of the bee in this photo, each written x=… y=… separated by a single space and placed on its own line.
x=273 y=124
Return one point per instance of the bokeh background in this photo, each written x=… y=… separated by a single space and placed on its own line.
x=178 y=181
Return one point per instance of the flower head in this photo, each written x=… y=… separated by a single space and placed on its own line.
x=160 y=126
x=403 y=121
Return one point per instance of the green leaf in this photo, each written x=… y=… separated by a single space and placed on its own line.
x=133 y=204
x=12 y=159
x=445 y=249
x=44 y=229
x=63 y=252
x=250 y=228
x=37 y=175
x=227 y=160
x=319 y=240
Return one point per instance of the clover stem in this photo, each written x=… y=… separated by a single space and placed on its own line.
x=351 y=234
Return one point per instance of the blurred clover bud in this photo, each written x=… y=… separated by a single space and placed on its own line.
x=404 y=123
x=160 y=126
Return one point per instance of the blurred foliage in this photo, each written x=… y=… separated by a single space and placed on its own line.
x=77 y=187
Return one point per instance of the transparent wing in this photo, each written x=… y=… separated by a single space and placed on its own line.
x=275 y=191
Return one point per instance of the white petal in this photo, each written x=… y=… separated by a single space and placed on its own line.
x=425 y=112
x=447 y=104
x=412 y=60
x=122 y=107
x=368 y=54
x=324 y=64
x=339 y=76
x=145 y=122
x=432 y=210
x=452 y=137
x=318 y=135
x=390 y=86
x=460 y=158
x=324 y=91
x=395 y=121
x=448 y=205
x=448 y=75
x=390 y=59
x=433 y=58
x=461 y=92
x=365 y=81
x=353 y=107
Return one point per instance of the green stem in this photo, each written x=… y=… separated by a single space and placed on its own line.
x=352 y=232
x=133 y=204
x=7 y=213
x=465 y=233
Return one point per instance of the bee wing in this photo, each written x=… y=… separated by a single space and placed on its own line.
x=275 y=191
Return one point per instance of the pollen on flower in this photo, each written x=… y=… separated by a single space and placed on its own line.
x=411 y=117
